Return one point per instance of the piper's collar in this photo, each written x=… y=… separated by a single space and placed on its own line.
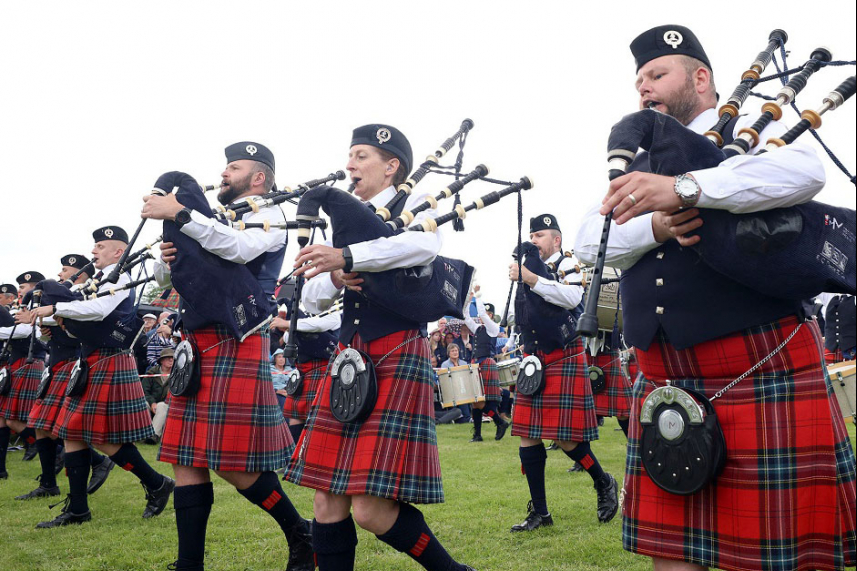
x=703 y=122
x=381 y=199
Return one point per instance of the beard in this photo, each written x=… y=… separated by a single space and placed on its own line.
x=235 y=189
x=683 y=105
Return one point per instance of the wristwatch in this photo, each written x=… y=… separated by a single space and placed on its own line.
x=687 y=190
x=349 y=259
x=182 y=217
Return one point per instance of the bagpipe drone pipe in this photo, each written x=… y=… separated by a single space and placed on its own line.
x=419 y=294
x=213 y=290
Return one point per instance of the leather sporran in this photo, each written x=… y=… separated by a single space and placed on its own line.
x=77 y=378
x=294 y=383
x=354 y=387
x=5 y=381
x=682 y=447
x=185 y=376
x=531 y=377
x=597 y=379
x=44 y=383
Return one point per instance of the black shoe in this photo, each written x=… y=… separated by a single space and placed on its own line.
x=40 y=492
x=600 y=421
x=577 y=467
x=175 y=566
x=301 y=556
x=4 y=475
x=99 y=475
x=476 y=438
x=502 y=427
x=608 y=499
x=553 y=446
x=59 y=464
x=29 y=453
x=65 y=517
x=533 y=521
x=156 y=500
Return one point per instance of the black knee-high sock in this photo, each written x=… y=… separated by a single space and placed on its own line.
x=28 y=435
x=193 y=506
x=476 y=413
x=77 y=470
x=583 y=453
x=623 y=424
x=47 y=458
x=5 y=431
x=491 y=412
x=296 y=430
x=533 y=460
x=267 y=493
x=129 y=459
x=334 y=545
x=412 y=536
x=95 y=458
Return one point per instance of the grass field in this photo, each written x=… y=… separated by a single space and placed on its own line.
x=485 y=495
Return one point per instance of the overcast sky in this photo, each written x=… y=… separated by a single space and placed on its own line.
x=100 y=98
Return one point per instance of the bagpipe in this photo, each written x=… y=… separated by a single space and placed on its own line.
x=791 y=253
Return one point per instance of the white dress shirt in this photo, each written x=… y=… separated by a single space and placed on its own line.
x=404 y=250
x=231 y=244
x=560 y=293
x=787 y=176
x=491 y=326
x=21 y=331
x=95 y=309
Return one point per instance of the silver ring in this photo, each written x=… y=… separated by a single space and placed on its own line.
x=309 y=263
x=633 y=200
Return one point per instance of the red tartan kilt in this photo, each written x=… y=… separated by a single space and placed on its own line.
x=234 y=422
x=393 y=453
x=786 y=498
x=564 y=409
x=112 y=408
x=312 y=371
x=490 y=379
x=831 y=357
x=25 y=384
x=615 y=398
x=45 y=411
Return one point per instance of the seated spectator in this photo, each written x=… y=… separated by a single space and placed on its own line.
x=160 y=338
x=280 y=372
x=155 y=388
x=434 y=347
x=465 y=345
x=453 y=361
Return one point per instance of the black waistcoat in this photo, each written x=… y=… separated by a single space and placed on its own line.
x=62 y=347
x=369 y=319
x=486 y=346
x=670 y=288
x=840 y=324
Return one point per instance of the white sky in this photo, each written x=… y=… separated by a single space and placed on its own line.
x=100 y=98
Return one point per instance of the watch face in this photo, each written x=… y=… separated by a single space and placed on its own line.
x=686 y=187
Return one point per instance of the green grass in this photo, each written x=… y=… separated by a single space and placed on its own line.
x=485 y=495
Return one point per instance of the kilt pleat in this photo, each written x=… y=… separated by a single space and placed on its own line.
x=831 y=357
x=564 y=409
x=312 y=371
x=490 y=379
x=22 y=394
x=45 y=411
x=234 y=421
x=393 y=453
x=615 y=399
x=112 y=408
x=786 y=497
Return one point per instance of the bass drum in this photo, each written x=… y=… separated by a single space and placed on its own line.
x=460 y=385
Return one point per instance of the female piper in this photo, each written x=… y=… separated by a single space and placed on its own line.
x=383 y=465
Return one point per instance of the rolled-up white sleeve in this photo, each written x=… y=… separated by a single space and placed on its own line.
x=20 y=331
x=317 y=324
x=786 y=176
x=239 y=246
x=562 y=295
x=491 y=326
x=626 y=244
x=319 y=293
x=94 y=309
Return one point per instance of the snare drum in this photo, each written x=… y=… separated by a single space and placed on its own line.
x=508 y=371
x=843 y=377
x=460 y=385
x=608 y=299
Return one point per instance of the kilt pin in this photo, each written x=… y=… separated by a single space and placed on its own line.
x=312 y=371
x=22 y=393
x=490 y=379
x=564 y=409
x=615 y=399
x=112 y=408
x=393 y=453
x=786 y=497
x=233 y=422
x=46 y=410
